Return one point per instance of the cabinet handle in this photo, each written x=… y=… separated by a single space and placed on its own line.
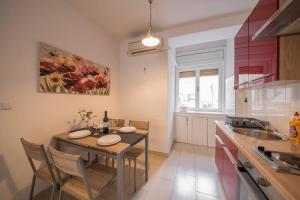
x=248 y=165
x=230 y=156
x=263 y=182
x=248 y=181
x=219 y=140
x=241 y=84
x=262 y=77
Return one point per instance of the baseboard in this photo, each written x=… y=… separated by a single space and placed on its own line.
x=158 y=153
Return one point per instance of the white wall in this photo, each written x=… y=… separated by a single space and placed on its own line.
x=171 y=97
x=38 y=116
x=143 y=90
x=275 y=104
x=229 y=79
x=148 y=95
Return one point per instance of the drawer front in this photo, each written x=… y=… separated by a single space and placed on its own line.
x=229 y=179
x=226 y=157
x=232 y=148
x=219 y=156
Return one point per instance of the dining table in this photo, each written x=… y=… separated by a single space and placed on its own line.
x=115 y=151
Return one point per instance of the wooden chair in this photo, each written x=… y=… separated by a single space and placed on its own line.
x=134 y=152
x=86 y=184
x=36 y=152
x=116 y=123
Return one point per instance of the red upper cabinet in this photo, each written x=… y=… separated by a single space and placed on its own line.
x=241 y=57
x=256 y=61
x=263 y=52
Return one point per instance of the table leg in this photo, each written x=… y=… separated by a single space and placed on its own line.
x=91 y=158
x=120 y=176
x=146 y=158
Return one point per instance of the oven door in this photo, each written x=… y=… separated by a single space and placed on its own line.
x=247 y=187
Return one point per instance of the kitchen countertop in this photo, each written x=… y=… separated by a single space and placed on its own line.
x=286 y=184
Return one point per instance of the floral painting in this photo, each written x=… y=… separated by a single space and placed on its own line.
x=63 y=72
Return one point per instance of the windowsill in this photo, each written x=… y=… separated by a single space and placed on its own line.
x=190 y=112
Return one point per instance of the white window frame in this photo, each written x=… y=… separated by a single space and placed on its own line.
x=217 y=65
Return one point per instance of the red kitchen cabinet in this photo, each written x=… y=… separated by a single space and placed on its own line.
x=263 y=52
x=219 y=155
x=225 y=158
x=229 y=178
x=256 y=61
x=241 y=57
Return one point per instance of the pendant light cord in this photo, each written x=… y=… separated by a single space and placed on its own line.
x=150 y=25
x=150 y=40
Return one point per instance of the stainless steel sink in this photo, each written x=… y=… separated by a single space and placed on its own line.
x=260 y=133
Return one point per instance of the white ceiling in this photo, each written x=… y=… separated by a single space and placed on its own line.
x=130 y=18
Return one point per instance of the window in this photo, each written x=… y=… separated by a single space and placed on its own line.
x=199 y=88
x=187 y=87
x=209 y=89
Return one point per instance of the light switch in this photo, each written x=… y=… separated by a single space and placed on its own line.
x=5 y=106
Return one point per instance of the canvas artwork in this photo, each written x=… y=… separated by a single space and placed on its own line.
x=64 y=72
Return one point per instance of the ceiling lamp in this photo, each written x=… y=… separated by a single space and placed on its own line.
x=150 y=40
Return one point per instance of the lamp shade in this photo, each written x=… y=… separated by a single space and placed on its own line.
x=150 y=41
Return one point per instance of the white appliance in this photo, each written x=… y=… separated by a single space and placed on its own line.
x=137 y=48
x=252 y=185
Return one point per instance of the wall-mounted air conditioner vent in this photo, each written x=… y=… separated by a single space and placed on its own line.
x=137 y=48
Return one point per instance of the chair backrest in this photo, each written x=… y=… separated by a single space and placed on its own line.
x=67 y=163
x=116 y=122
x=139 y=124
x=71 y=165
x=36 y=152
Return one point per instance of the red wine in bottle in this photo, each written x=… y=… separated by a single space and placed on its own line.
x=105 y=123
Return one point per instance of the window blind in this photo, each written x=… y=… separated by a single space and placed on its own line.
x=187 y=74
x=209 y=72
x=200 y=58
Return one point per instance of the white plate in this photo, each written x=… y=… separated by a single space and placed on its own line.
x=127 y=129
x=109 y=140
x=79 y=134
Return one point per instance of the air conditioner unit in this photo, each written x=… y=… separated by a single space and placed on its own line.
x=137 y=48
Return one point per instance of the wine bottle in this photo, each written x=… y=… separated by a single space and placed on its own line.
x=105 y=123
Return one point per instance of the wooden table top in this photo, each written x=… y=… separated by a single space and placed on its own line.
x=91 y=142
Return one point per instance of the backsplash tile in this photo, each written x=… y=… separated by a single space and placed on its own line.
x=273 y=104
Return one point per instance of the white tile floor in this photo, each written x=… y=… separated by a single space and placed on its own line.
x=188 y=173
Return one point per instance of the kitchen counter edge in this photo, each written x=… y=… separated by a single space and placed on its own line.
x=277 y=179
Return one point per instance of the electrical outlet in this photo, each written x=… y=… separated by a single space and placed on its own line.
x=5 y=106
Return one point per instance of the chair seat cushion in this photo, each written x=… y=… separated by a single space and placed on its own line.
x=98 y=176
x=133 y=153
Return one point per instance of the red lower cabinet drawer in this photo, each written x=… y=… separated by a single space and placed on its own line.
x=219 y=157
x=225 y=159
x=229 y=177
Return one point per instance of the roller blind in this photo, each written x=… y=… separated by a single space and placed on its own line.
x=194 y=58
x=187 y=74
x=209 y=72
